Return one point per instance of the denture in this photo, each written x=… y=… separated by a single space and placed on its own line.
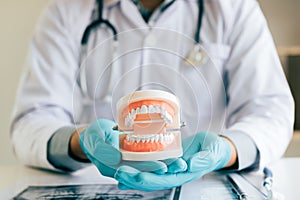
x=149 y=121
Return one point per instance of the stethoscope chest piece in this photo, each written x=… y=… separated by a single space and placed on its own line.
x=196 y=57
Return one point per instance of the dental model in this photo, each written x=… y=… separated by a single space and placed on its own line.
x=150 y=123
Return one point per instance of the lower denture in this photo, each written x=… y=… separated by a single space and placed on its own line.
x=143 y=147
x=149 y=146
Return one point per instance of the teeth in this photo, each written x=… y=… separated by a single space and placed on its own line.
x=137 y=139
x=129 y=119
x=157 y=109
x=146 y=138
x=172 y=137
x=161 y=138
x=168 y=117
x=133 y=112
x=163 y=112
x=144 y=109
x=152 y=138
x=156 y=138
x=151 y=109
x=138 y=110
x=167 y=138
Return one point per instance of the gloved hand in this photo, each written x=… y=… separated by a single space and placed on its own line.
x=100 y=143
x=203 y=152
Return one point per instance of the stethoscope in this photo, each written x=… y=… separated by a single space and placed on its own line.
x=196 y=57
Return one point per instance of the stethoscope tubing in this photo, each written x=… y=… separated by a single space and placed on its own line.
x=100 y=20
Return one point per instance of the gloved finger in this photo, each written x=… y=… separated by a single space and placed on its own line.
x=104 y=169
x=110 y=136
x=123 y=187
x=192 y=144
x=106 y=124
x=157 y=167
x=176 y=165
x=201 y=162
x=146 y=181
x=106 y=154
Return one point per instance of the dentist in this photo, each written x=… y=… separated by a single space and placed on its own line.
x=236 y=102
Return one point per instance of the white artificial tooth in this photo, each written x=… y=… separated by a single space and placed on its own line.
x=144 y=109
x=161 y=138
x=138 y=110
x=126 y=121
x=166 y=121
x=156 y=109
x=148 y=140
x=168 y=116
x=152 y=138
x=127 y=137
x=128 y=116
x=132 y=111
x=172 y=137
x=133 y=114
x=163 y=113
x=138 y=139
x=143 y=140
x=129 y=120
x=167 y=138
x=151 y=109
x=156 y=138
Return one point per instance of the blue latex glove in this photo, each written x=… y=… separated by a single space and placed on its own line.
x=203 y=152
x=101 y=145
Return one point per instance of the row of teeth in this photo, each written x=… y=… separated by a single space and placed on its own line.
x=129 y=119
x=169 y=138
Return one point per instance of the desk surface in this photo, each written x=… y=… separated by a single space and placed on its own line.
x=13 y=179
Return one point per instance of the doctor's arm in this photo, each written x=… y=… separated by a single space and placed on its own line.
x=260 y=102
x=43 y=120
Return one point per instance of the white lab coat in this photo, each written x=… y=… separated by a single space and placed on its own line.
x=241 y=88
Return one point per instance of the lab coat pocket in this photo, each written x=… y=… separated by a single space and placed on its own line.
x=217 y=50
x=217 y=53
x=204 y=87
x=216 y=56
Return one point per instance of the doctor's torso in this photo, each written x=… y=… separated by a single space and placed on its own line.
x=151 y=56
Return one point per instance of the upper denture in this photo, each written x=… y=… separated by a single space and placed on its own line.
x=131 y=116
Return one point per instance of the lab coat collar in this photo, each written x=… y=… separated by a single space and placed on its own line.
x=132 y=13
